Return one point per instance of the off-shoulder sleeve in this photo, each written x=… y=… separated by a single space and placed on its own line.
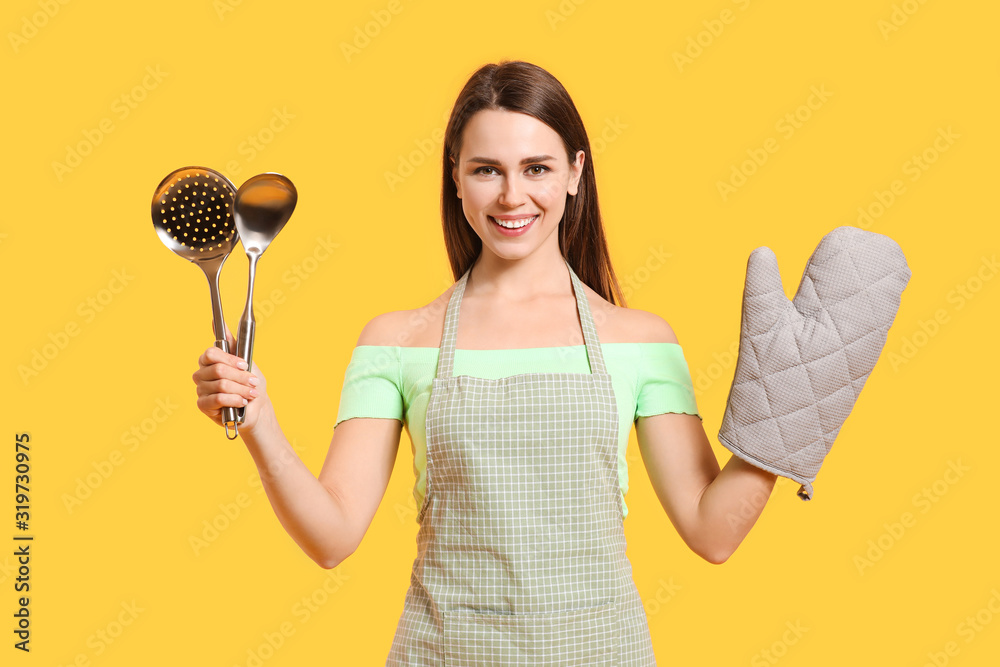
x=664 y=382
x=372 y=384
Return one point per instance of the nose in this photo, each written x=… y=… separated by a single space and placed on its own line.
x=511 y=195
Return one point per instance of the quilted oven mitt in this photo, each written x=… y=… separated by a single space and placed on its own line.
x=802 y=363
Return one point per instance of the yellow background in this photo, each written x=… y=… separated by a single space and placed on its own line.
x=896 y=74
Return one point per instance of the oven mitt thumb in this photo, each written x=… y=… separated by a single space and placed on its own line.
x=802 y=363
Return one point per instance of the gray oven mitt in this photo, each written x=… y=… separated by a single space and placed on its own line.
x=802 y=363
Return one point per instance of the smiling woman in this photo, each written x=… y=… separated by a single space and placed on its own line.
x=519 y=386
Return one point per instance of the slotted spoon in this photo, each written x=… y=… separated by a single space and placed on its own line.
x=193 y=216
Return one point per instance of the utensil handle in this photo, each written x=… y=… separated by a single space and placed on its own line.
x=229 y=415
x=212 y=272
x=244 y=349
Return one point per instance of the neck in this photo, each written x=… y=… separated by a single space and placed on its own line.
x=519 y=280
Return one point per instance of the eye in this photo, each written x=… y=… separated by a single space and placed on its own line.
x=538 y=166
x=480 y=170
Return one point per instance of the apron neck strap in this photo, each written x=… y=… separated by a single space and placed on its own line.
x=446 y=354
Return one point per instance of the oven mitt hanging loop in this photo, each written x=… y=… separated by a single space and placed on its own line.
x=802 y=363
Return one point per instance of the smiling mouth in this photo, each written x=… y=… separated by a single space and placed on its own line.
x=513 y=224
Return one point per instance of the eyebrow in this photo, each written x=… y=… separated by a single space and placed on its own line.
x=527 y=160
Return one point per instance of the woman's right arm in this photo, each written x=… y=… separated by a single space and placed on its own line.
x=326 y=516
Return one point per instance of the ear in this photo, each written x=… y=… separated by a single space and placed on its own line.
x=576 y=172
x=454 y=175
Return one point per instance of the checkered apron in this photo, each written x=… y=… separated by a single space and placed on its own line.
x=521 y=549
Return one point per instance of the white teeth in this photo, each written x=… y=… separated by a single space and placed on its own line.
x=513 y=224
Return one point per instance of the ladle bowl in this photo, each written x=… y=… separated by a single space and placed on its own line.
x=262 y=206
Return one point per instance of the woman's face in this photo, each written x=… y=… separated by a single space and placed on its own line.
x=512 y=170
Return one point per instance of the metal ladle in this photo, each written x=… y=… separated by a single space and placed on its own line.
x=193 y=215
x=262 y=206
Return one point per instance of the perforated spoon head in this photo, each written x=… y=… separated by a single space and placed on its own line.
x=263 y=205
x=193 y=213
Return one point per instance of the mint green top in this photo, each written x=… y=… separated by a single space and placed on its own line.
x=394 y=382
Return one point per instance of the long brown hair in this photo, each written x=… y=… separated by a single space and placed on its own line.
x=529 y=89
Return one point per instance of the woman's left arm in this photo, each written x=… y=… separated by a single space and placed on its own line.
x=712 y=510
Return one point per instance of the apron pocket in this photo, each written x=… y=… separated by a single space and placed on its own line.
x=564 y=639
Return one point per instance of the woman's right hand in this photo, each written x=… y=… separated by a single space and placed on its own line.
x=223 y=381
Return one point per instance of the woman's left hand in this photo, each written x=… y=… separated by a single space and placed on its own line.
x=802 y=363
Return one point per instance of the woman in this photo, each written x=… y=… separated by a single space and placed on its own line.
x=519 y=431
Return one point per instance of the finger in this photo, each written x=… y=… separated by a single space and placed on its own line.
x=206 y=388
x=221 y=371
x=212 y=404
x=214 y=355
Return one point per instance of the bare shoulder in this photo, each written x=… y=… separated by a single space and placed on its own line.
x=651 y=327
x=616 y=324
x=381 y=329
x=417 y=327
